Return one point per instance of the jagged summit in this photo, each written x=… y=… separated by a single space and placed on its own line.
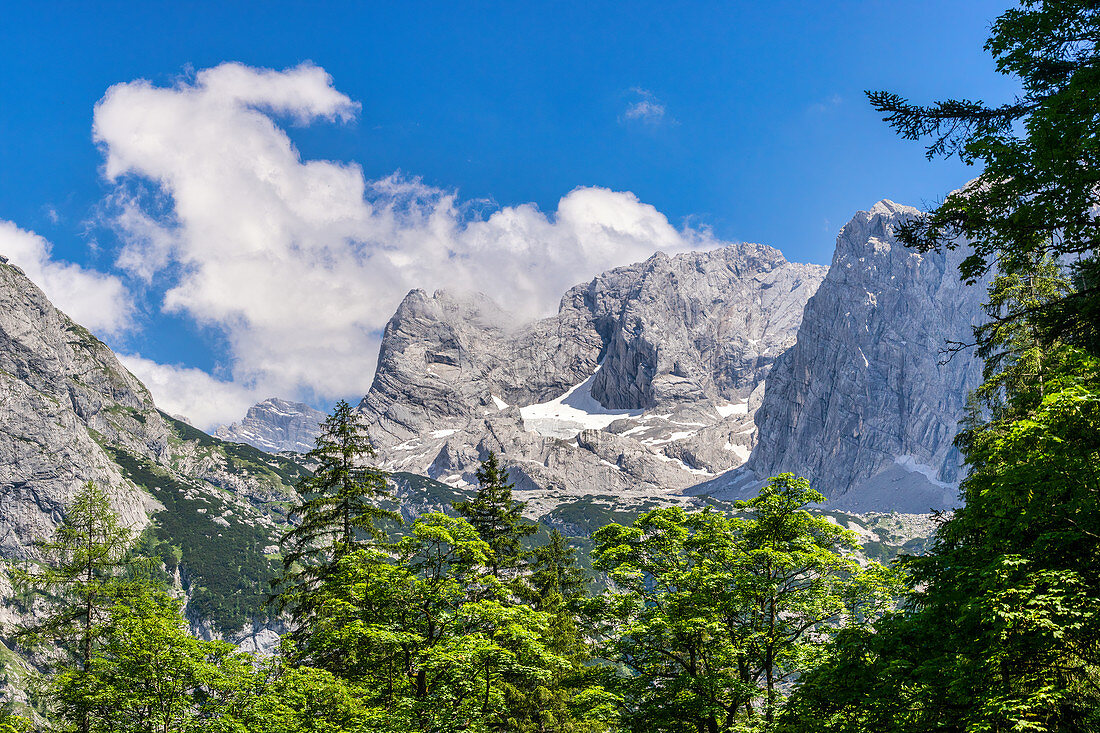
x=861 y=404
x=661 y=377
x=276 y=425
x=641 y=384
x=71 y=413
x=886 y=207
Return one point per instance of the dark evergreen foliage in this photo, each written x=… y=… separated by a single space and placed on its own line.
x=338 y=513
x=224 y=567
x=496 y=517
x=554 y=570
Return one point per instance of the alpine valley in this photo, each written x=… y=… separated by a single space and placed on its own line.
x=677 y=380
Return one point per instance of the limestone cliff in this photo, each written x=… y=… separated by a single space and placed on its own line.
x=866 y=402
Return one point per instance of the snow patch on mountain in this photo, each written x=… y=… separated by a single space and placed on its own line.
x=574 y=411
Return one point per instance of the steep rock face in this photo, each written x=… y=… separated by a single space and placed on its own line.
x=861 y=404
x=642 y=384
x=445 y=356
x=699 y=326
x=276 y=425
x=71 y=413
x=62 y=394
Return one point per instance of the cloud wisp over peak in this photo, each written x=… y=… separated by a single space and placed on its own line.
x=299 y=263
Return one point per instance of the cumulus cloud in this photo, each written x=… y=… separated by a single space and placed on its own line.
x=645 y=107
x=190 y=392
x=96 y=300
x=301 y=262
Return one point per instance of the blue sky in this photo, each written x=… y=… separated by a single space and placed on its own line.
x=736 y=120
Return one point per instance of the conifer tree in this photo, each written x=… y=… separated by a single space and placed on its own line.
x=496 y=517
x=555 y=570
x=339 y=509
x=80 y=575
x=80 y=582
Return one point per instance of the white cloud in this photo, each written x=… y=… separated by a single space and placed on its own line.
x=301 y=262
x=645 y=107
x=95 y=300
x=190 y=392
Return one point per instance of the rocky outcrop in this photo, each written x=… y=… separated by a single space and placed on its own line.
x=71 y=413
x=63 y=396
x=641 y=385
x=700 y=326
x=866 y=403
x=276 y=425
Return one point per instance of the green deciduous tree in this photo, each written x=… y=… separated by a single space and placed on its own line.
x=999 y=627
x=292 y=699
x=12 y=723
x=433 y=639
x=711 y=614
x=497 y=519
x=150 y=675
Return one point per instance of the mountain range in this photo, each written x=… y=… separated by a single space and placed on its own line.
x=677 y=380
x=702 y=373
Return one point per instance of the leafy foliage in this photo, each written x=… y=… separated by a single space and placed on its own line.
x=1038 y=194
x=1000 y=626
x=150 y=674
x=421 y=635
x=430 y=636
x=711 y=614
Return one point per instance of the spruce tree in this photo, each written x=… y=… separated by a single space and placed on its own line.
x=555 y=570
x=496 y=517
x=338 y=513
x=80 y=575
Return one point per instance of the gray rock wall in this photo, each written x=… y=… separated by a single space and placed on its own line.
x=62 y=393
x=861 y=404
x=641 y=385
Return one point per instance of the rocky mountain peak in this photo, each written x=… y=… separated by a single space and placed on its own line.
x=276 y=425
x=865 y=403
x=621 y=389
x=62 y=393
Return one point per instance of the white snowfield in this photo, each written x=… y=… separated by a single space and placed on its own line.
x=742 y=452
x=576 y=410
x=910 y=464
x=741 y=408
